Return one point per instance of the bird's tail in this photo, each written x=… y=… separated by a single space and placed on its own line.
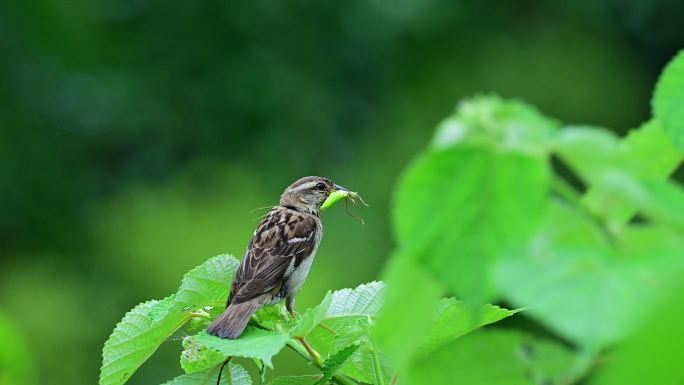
x=234 y=319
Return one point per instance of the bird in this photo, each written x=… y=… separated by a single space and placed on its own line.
x=279 y=255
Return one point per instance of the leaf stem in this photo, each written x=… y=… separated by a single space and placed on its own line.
x=567 y=192
x=315 y=357
x=377 y=368
x=337 y=378
x=310 y=355
x=200 y=314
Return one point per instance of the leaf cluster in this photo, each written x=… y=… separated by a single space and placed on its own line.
x=579 y=227
x=338 y=329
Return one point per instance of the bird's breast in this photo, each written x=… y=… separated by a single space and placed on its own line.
x=298 y=276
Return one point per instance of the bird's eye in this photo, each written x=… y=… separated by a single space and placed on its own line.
x=320 y=186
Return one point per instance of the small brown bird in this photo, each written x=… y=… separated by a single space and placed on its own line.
x=279 y=255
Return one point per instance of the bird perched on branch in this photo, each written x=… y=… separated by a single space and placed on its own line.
x=279 y=255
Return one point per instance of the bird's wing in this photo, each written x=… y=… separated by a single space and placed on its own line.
x=282 y=240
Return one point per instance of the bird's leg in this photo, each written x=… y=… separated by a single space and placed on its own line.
x=289 y=305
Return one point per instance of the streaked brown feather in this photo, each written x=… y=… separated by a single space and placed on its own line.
x=270 y=256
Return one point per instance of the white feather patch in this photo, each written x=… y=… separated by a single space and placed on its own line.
x=297 y=240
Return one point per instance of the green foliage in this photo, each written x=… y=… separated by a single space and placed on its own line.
x=454 y=319
x=492 y=357
x=668 y=101
x=197 y=357
x=484 y=213
x=295 y=380
x=149 y=324
x=338 y=328
x=399 y=331
x=481 y=174
x=207 y=284
x=303 y=325
x=649 y=151
x=335 y=361
x=232 y=374
x=491 y=216
x=661 y=338
x=136 y=337
x=588 y=290
x=254 y=343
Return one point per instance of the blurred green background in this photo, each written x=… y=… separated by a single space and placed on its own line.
x=137 y=137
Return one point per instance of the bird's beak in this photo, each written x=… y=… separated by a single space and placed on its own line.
x=340 y=188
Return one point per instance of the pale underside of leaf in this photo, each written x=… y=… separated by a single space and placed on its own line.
x=295 y=380
x=208 y=284
x=253 y=343
x=136 y=337
x=233 y=374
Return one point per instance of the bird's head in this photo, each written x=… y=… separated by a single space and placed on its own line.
x=309 y=193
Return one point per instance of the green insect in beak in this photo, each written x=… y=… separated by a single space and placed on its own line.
x=338 y=194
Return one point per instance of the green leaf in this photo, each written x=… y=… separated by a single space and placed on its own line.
x=273 y=317
x=491 y=357
x=159 y=312
x=668 y=100
x=649 y=152
x=584 y=288
x=459 y=209
x=455 y=319
x=312 y=317
x=233 y=374
x=347 y=322
x=364 y=300
x=347 y=317
x=653 y=354
x=589 y=151
x=342 y=307
x=208 y=284
x=334 y=362
x=196 y=357
x=361 y=365
x=295 y=380
x=595 y=154
x=660 y=201
x=136 y=337
x=253 y=343
x=410 y=300
x=492 y=121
